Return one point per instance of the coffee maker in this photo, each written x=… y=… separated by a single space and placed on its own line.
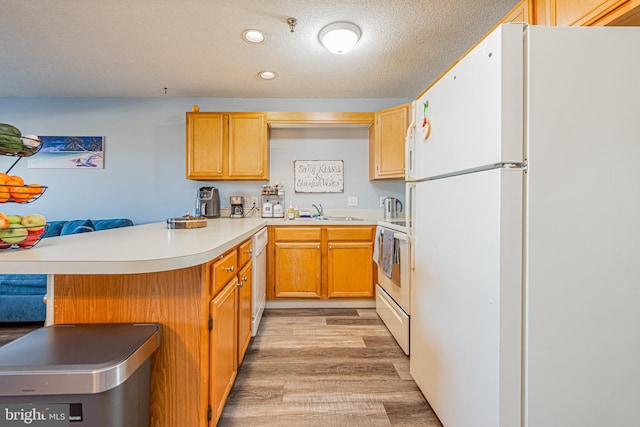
x=208 y=202
x=237 y=207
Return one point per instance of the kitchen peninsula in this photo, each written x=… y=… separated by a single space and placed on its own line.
x=148 y=273
x=186 y=280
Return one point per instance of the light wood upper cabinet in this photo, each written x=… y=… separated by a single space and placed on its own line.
x=520 y=13
x=227 y=146
x=205 y=148
x=387 y=143
x=587 y=12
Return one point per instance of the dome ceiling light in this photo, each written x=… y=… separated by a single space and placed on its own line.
x=339 y=37
x=253 y=36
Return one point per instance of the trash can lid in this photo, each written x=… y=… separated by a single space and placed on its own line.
x=75 y=359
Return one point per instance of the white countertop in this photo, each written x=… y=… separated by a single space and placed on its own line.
x=138 y=249
x=142 y=248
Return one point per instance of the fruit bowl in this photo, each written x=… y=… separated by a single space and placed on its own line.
x=21 y=193
x=23 y=146
x=21 y=237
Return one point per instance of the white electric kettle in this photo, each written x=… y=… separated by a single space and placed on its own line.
x=392 y=207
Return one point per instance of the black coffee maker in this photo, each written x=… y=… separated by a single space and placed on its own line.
x=208 y=202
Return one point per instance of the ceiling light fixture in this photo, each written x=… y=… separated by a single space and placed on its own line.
x=253 y=36
x=339 y=37
x=267 y=75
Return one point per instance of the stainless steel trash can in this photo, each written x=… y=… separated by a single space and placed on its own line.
x=92 y=375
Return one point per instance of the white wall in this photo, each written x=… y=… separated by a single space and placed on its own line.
x=144 y=174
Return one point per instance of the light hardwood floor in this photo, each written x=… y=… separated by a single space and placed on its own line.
x=322 y=367
x=325 y=367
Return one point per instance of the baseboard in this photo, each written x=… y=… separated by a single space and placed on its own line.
x=303 y=303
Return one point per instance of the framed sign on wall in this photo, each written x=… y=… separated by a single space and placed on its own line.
x=318 y=176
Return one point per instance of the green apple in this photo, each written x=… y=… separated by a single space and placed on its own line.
x=34 y=222
x=16 y=233
x=14 y=219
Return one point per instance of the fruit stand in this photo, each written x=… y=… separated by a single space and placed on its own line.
x=17 y=232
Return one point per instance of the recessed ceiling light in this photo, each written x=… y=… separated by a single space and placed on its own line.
x=339 y=37
x=253 y=36
x=267 y=75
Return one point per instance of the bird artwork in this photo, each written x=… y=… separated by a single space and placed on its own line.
x=86 y=162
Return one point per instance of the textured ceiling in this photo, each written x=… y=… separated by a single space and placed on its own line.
x=137 y=48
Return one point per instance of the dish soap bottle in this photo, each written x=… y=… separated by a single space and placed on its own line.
x=290 y=211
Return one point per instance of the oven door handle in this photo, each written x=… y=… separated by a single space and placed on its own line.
x=400 y=236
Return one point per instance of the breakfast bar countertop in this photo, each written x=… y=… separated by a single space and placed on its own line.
x=127 y=250
x=148 y=247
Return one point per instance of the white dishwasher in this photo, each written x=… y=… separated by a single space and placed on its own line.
x=259 y=277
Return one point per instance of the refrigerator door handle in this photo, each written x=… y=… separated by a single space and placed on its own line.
x=410 y=207
x=410 y=146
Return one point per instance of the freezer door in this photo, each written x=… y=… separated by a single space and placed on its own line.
x=466 y=301
x=473 y=115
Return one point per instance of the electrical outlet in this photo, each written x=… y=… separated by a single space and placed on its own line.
x=254 y=202
x=352 y=201
x=382 y=201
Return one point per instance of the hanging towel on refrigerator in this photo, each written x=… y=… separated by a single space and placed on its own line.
x=376 y=245
x=388 y=252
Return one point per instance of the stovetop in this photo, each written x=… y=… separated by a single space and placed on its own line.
x=396 y=224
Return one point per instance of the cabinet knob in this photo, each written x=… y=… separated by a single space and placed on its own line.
x=245 y=278
x=318 y=247
x=219 y=171
x=239 y=284
x=330 y=247
x=231 y=269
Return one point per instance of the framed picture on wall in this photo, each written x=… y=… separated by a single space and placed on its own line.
x=318 y=176
x=69 y=152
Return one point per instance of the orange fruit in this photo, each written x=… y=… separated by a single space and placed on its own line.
x=4 y=193
x=35 y=189
x=14 y=180
x=3 y=177
x=20 y=194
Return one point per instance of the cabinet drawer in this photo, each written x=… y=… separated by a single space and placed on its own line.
x=350 y=233
x=297 y=234
x=225 y=268
x=244 y=253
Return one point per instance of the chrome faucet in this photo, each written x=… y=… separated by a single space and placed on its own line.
x=319 y=209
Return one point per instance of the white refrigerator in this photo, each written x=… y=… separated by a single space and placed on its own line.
x=525 y=229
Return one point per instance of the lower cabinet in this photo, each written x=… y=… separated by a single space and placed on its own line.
x=297 y=262
x=229 y=322
x=244 y=310
x=223 y=346
x=322 y=262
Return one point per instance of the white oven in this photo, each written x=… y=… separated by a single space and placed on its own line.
x=393 y=293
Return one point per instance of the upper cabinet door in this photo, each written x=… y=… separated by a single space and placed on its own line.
x=227 y=146
x=389 y=143
x=587 y=12
x=248 y=146
x=205 y=145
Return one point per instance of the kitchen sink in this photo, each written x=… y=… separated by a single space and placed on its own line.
x=337 y=218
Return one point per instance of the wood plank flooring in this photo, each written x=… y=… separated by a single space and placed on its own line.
x=13 y=331
x=325 y=367
x=317 y=367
